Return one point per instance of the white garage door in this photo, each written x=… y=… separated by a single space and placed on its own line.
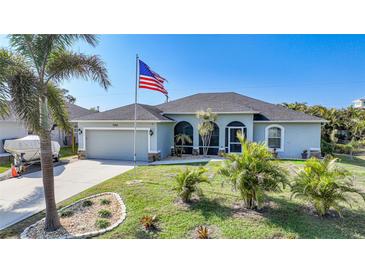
x=116 y=144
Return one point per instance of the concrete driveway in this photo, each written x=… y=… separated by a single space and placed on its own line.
x=23 y=197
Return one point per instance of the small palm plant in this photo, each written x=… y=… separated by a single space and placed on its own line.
x=253 y=172
x=180 y=141
x=188 y=181
x=324 y=185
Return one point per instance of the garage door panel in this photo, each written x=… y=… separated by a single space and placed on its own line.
x=116 y=144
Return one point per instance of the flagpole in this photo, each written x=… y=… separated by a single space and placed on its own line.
x=135 y=120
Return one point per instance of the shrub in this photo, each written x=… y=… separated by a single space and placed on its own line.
x=253 y=172
x=343 y=148
x=324 y=185
x=149 y=222
x=104 y=201
x=104 y=213
x=101 y=223
x=187 y=182
x=66 y=213
x=203 y=232
x=326 y=148
x=87 y=203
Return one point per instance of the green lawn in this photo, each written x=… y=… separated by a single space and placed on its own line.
x=4 y=167
x=66 y=152
x=282 y=218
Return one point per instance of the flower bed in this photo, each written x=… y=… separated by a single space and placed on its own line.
x=85 y=218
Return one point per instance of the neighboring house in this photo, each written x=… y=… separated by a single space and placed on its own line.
x=12 y=128
x=359 y=103
x=65 y=138
x=109 y=134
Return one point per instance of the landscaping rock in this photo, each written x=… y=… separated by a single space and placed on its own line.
x=82 y=223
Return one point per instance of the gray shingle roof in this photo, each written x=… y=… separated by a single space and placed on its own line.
x=74 y=111
x=227 y=102
x=126 y=113
x=234 y=102
x=218 y=102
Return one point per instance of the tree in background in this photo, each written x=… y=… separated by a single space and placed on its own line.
x=69 y=98
x=346 y=125
x=95 y=109
x=29 y=77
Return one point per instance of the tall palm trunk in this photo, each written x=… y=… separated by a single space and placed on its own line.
x=52 y=219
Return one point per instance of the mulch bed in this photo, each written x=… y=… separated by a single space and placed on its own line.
x=82 y=220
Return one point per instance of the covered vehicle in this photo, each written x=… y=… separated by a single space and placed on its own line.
x=27 y=149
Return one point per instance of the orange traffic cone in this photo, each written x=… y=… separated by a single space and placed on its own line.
x=14 y=173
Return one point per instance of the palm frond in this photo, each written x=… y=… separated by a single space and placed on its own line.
x=23 y=87
x=58 y=108
x=4 y=105
x=4 y=91
x=23 y=44
x=65 y=65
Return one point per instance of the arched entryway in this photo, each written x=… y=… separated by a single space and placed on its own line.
x=187 y=129
x=214 y=142
x=232 y=143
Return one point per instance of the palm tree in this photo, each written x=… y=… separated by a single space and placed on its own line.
x=324 y=185
x=181 y=139
x=253 y=172
x=358 y=128
x=30 y=76
x=187 y=182
x=206 y=127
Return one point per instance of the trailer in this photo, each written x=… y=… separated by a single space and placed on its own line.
x=26 y=151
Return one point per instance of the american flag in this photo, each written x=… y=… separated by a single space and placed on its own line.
x=148 y=79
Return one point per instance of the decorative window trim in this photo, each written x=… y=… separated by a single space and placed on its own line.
x=282 y=139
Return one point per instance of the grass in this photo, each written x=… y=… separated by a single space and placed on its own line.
x=283 y=218
x=4 y=167
x=66 y=152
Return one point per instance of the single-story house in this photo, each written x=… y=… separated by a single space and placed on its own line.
x=65 y=138
x=109 y=134
x=11 y=127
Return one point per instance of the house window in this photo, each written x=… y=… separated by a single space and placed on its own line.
x=275 y=137
x=187 y=129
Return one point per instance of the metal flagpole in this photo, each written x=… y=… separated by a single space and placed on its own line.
x=135 y=119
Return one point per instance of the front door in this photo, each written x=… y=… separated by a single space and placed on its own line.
x=234 y=145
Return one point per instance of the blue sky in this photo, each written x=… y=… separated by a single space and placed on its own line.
x=317 y=69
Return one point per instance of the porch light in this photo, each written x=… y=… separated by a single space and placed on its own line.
x=80 y=131
x=151 y=132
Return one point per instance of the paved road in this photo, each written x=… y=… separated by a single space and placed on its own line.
x=23 y=197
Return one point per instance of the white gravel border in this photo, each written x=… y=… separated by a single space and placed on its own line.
x=24 y=235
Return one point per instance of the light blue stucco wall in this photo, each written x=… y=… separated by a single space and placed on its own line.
x=165 y=138
x=222 y=121
x=297 y=137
